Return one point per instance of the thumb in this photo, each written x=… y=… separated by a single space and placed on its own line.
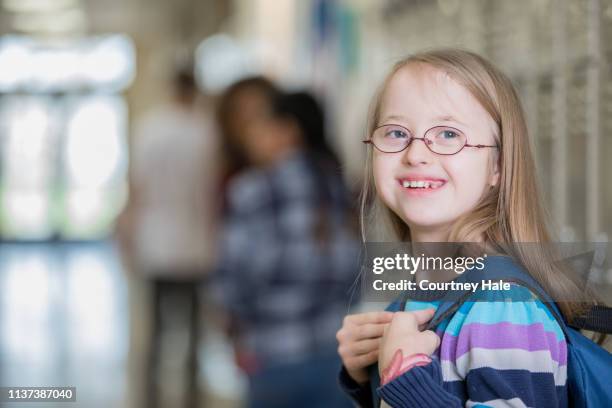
x=423 y=316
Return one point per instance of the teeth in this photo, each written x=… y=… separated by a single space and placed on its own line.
x=421 y=184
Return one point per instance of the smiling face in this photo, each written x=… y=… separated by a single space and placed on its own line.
x=429 y=192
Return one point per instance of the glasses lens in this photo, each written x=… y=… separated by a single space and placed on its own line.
x=445 y=140
x=391 y=138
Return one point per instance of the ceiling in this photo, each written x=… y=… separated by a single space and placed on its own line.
x=185 y=20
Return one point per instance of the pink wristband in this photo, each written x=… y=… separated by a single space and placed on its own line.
x=399 y=365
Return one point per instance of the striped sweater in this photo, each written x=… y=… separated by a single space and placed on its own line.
x=492 y=353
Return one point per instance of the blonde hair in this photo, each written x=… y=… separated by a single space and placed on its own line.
x=510 y=212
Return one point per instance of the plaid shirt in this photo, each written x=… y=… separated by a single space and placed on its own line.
x=288 y=290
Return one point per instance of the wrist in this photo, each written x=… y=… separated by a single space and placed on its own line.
x=360 y=376
x=400 y=364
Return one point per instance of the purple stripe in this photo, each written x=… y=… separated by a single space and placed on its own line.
x=503 y=335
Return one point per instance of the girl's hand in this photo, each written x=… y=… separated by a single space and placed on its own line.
x=359 y=341
x=403 y=333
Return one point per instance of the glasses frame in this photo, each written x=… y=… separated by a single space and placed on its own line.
x=425 y=140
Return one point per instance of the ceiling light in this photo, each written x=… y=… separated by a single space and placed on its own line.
x=72 y=20
x=40 y=6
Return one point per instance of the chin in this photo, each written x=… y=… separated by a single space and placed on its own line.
x=422 y=217
x=424 y=225
x=425 y=221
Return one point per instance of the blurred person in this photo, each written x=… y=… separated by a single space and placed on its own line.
x=289 y=253
x=242 y=103
x=168 y=228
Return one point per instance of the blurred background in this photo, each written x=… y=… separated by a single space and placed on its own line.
x=83 y=85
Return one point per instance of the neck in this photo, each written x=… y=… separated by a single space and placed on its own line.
x=422 y=240
x=284 y=150
x=287 y=151
x=433 y=234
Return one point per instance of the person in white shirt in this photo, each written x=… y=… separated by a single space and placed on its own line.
x=168 y=228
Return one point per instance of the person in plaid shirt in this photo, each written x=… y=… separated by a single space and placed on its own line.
x=289 y=256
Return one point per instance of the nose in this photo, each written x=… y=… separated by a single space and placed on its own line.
x=417 y=153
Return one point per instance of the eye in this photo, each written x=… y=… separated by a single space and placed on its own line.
x=447 y=137
x=396 y=133
x=448 y=134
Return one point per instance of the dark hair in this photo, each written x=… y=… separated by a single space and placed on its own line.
x=302 y=108
x=226 y=110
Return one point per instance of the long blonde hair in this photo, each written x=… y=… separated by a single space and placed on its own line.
x=510 y=212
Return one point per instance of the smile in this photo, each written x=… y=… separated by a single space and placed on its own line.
x=422 y=184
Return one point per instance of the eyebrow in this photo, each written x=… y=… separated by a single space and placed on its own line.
x=395 y=117
x=444 y=118
x=449 y=118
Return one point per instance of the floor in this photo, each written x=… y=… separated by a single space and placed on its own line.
x=71 y=316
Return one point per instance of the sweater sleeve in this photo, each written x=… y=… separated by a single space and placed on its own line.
x=492 y=354
x=361 y=394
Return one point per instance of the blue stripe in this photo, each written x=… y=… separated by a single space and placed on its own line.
x=457 y=388
x=534 y=389
x=413 y=306
x=525 y=313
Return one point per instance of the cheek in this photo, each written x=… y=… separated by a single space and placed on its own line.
x=383 y=177
x=469 y=176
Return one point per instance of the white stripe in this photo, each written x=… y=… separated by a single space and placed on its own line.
x=504 y=359
x=499 y=403
x=449 y=372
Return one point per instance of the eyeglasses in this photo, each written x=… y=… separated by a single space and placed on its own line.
x=444 y=140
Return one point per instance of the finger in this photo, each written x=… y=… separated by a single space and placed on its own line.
x=363 y=360
x=403 y=320
x=423 y=316
x=370 y=317
x=432 y=339
x=370 y=331
x=353 y=333
x=365 y=346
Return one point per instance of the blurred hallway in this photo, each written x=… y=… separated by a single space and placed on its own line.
x=63 y=313
x=65 y=320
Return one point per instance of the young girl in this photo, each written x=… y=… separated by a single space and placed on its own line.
x=450 y=161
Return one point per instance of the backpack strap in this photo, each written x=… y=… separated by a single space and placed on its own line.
x=496 y=268
x=598 y=319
